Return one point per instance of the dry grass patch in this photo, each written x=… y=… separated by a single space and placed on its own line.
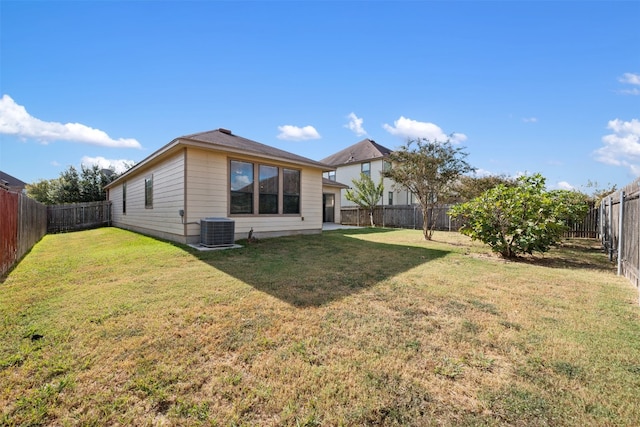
x=352 y=327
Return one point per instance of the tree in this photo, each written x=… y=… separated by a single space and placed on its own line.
x=429 y=170
x=521 y=219
x=469 y=187
x=366 y=195
x=43 y=191
x=73 y=187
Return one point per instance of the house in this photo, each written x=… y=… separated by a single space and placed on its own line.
x=217 y=174
x=12 y=183
x=370 y=158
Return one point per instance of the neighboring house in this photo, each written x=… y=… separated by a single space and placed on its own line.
x=371 y=158
x=219 y=174
x=12 y=183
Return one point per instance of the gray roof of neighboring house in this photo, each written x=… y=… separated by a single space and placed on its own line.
x=12 y=181
x=225 y=139
x=362 y=151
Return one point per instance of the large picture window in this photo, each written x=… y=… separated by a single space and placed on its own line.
x=256 y=189
x=148 y=192
x=268 y=190
x=241 y=187
x=291 y=191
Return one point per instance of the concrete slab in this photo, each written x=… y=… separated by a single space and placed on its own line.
x=217 y=248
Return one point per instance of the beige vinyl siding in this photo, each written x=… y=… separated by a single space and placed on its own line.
x=207 y=195
x=206 y=188
x=308 y=221
x=162 y=219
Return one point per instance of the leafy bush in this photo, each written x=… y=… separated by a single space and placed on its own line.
x=521 y=219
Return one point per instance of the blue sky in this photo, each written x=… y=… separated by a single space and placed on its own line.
x=549 y=87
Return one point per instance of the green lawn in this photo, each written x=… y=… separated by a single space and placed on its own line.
x=351 y=327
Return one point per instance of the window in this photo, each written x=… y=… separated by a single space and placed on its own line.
x=124 y=197
x=386 y=165
x=331 y=175
x=274 y=191
x=268 y=190
x=241 y=188
x=366 y=169
x=148 y=192
x=390 y=198
x=291 y=196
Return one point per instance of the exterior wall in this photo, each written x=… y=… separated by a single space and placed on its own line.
x=347 y=173
x=208 y=196
x=207 y=178
x=162 y=220
x=336 y=191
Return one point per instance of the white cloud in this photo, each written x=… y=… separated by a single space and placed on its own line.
x=295 y=133
x=355 y=124
x=407 y=128
x=634 y=91
x=15 y=120
x=564 y=185
x=630 y=78
x=118 y=165
x=622 y=147
x=530 y=119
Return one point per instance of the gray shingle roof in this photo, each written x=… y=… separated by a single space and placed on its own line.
x=12 y=181
x=330 y=183
x=362 y=151
x=223 y=138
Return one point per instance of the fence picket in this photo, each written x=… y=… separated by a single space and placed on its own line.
x=78 y=216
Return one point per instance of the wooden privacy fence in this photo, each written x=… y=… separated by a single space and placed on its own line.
x=399 y=216
x=23 y=222
x=620 y=230
x=410 y=216
x=589 y=227
x=78 y=216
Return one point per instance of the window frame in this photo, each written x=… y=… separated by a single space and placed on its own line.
x=251 y=199
x=148 y=191
x=298 y=195
x=368 y=170
x=263 y=200
x=124 y=197
x=256 y=199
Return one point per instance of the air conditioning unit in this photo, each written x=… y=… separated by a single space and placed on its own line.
x=217 y=232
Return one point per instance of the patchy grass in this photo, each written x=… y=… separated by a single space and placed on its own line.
x=351 y=327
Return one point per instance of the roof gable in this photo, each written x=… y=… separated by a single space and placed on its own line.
x=225 y=140
x=362 y=151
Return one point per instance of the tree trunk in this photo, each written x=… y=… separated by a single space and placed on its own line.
x=426 y=230
x=371 y=217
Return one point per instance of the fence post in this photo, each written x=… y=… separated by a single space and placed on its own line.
x=620 y=231
x=609 y=229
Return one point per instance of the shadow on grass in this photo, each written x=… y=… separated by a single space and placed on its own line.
x=313 y=270
x=579 y=254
